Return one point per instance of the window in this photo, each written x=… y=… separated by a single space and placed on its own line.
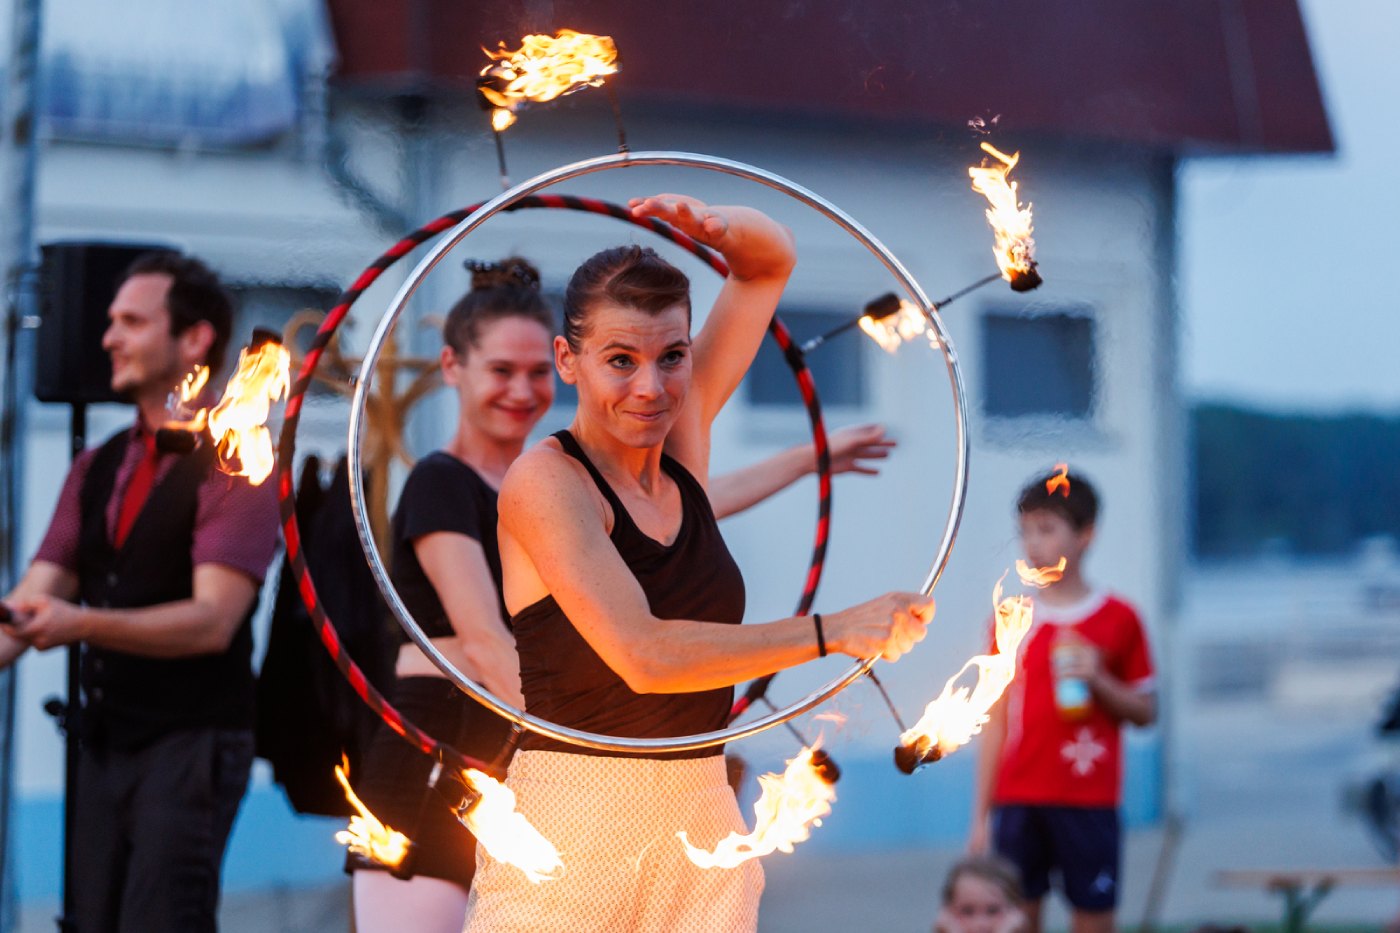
x=1039 y=365
x=838 y=366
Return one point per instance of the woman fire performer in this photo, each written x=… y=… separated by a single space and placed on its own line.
x=447 y=568
x=626 y=601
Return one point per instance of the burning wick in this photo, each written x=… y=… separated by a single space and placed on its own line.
x=489 y=812
x=237 y=423
x=184 y=423
x=542 y=69
x=1059 y=482
x=1015 y=248
x=784 y=815
x=1040 y=577
x=873 y=316
x=892 y=329
x=959 y=713
x=366 y=836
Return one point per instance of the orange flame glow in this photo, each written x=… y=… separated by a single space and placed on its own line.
x=1059 y=482
x=1011 y=223
x=959 y=713
x=543 y=68
x=905 y=324
x=502 y=119
x=783 y=816
x=239 y=422
x=1040 y=576
x=505 y=833
x=182 y=415
x=366 y=836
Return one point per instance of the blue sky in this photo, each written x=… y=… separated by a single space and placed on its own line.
x=1290 y=287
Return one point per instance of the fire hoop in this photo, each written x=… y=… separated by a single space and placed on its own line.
x=504 y=201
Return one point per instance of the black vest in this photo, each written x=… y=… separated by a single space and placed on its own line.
x=133 y=700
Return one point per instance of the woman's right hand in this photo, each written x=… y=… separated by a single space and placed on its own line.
x=887 y=626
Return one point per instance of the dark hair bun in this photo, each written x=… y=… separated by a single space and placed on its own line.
x=512 y=272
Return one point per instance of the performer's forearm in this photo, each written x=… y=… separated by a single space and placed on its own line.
x=681 y=656
x=684 y=656
x=171 y=630
x=494 y=664
x=43 y=578
x=744 y=488
x=203 y=624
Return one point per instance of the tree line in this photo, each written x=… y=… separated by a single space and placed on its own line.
x=1309 y=485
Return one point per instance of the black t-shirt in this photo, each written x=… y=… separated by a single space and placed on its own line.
x=442 y=494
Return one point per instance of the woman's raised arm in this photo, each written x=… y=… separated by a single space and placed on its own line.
x=761 y=255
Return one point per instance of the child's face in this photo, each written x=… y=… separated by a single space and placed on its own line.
x=980 y=906
x=1047 y=536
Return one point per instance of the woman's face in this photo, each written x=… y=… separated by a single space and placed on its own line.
x=505 y=382
x=980 y=906
x=632 y=370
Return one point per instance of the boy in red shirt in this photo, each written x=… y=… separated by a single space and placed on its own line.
x=1050 y=759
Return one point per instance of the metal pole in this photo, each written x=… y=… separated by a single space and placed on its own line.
x=18 y=168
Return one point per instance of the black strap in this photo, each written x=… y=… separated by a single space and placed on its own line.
x=574 y=449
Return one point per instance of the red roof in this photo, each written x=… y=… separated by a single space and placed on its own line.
x=1184 y=75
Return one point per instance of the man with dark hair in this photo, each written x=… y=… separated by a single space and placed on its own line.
x=152 y=562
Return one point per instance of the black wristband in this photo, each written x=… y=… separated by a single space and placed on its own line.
x=821 y=636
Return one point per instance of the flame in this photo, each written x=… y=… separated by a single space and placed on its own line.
x=502 y=119
x=959 y=713
x=1011 y=223
x=239 y=422
x=505 y=833
x=783 y=816
x=1040 y=576
x=178 y=406
x=543 y=68
x=1059 y=482
x=366 y=836
x=905 y=324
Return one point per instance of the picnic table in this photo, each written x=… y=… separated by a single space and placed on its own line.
x=1304 y=889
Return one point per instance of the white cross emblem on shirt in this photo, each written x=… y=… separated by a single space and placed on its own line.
x=1083 y=752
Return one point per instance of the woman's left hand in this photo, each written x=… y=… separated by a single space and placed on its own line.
x=754 y=244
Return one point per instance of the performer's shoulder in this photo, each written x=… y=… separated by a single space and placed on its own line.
x=546 y=461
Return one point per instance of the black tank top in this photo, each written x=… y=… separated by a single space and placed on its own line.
x=563 y=678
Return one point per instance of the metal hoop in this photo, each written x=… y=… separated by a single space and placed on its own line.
x=458 y=233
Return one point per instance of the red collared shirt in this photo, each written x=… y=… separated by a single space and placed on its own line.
x=235 y=522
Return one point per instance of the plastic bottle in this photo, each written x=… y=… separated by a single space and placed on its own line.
x=1072 y=695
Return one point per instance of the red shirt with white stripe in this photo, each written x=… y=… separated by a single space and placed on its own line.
x=1048 y=758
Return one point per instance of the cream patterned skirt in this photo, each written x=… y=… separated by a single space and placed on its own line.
x=614 y=821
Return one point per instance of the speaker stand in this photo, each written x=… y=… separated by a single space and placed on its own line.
x=69 y=713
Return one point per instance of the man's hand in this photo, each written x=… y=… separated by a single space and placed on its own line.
x=46 y=622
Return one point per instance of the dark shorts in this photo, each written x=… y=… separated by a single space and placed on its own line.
x=1081 y=844
x=393 y=778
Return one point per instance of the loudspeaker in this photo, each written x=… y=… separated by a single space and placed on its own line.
x=76 y=285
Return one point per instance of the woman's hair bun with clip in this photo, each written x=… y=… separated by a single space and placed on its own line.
x=512 y=272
